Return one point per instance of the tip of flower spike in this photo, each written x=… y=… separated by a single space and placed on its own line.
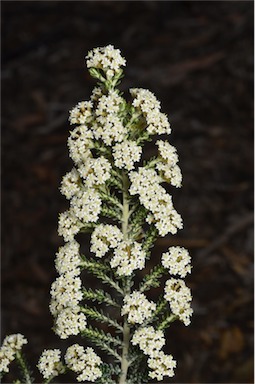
x=104 y=64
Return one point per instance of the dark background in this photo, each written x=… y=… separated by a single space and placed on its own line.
x=197 y=57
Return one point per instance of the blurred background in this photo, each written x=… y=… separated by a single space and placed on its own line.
x=197 y=57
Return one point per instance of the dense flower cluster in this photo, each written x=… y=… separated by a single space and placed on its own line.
x=49 y=363
x=104 y=237
x=167 y=166
x=179 y=297
x=126 y=154
x=108 y=59
x=137 y=308
x=177 y=260
x=146 y=183
x=95 y=171
x=128 y=256
x=149 y=340
x=11 y=345
x=108 y=125
x=161 y=365
x=68 y=225
x=85 y=362
x=81 y=113
x=156 y=122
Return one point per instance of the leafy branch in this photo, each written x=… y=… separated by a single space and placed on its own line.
x=100 y=296
x=98 y=315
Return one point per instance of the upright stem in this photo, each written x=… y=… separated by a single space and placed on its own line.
x=126 y=329
x=24 y=368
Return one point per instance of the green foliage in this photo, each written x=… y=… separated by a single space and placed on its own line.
x=151 y=236
x=105 y=341
x=166 y=321
x=25 y=369
x=110 y=213
x=100 y=296
x=102 y=272
x=107 y=371
x=152 y=280
x=98 y=315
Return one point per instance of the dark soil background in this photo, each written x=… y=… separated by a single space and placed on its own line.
x=197 y=57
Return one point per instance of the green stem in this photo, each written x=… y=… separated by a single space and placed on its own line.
x=126 y=329
x=24 y=368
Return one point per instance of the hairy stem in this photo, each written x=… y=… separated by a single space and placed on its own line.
x=24 y=368
x=126 y=328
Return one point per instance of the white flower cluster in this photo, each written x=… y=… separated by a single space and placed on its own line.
x=68 y=258
x=104 y=237
x=107 y=59
x=11 y=345
x=85 y=362
x=81 y=113
x=157 y=123
x=154 y=197
x=137 y=307
x=49 y=363
x=95 y=171
x=179 y=297
x=126 y=154
x=80 y=143
x=177 y=260
x=167 y=166
x=127 y=257
x=68 y=225
x=108 y=125
x=149 y=340
x=86 y=205
x=66 y=292
x=161 y=365
x=70 y=184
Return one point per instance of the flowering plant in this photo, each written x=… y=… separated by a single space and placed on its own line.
x=116 y=196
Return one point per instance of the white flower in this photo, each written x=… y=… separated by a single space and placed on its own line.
x=68 y=258
x=149 y=340
x=66 y=290
x=70 y=322
x=108 y=125
x=79 y=143
x=108 y=59
x=167 y=166
x=154 y=197
x=96 y=93
x=81 y=113
x=146 y=102
x=70 y=184
x=49 y=363
x=95 y=171
x=68 y=225
x=179 y=297
x=128 y=256
x=86 y=205
x=161 y=365
x=104 y=237
x=11 y=345
x=137 y=307
x=177 y=260
x=126 y=154
x=86 y=362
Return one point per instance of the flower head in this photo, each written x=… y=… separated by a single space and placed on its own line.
x=85 y=362
x=177 y=260
x=161 y=365
x=137 y=307
x=179 y=297
x=11 y=345
x=108 y=59
x=49 y=363
x=149 y=340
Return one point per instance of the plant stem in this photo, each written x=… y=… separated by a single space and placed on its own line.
x=24 y=368
x=126 y=328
